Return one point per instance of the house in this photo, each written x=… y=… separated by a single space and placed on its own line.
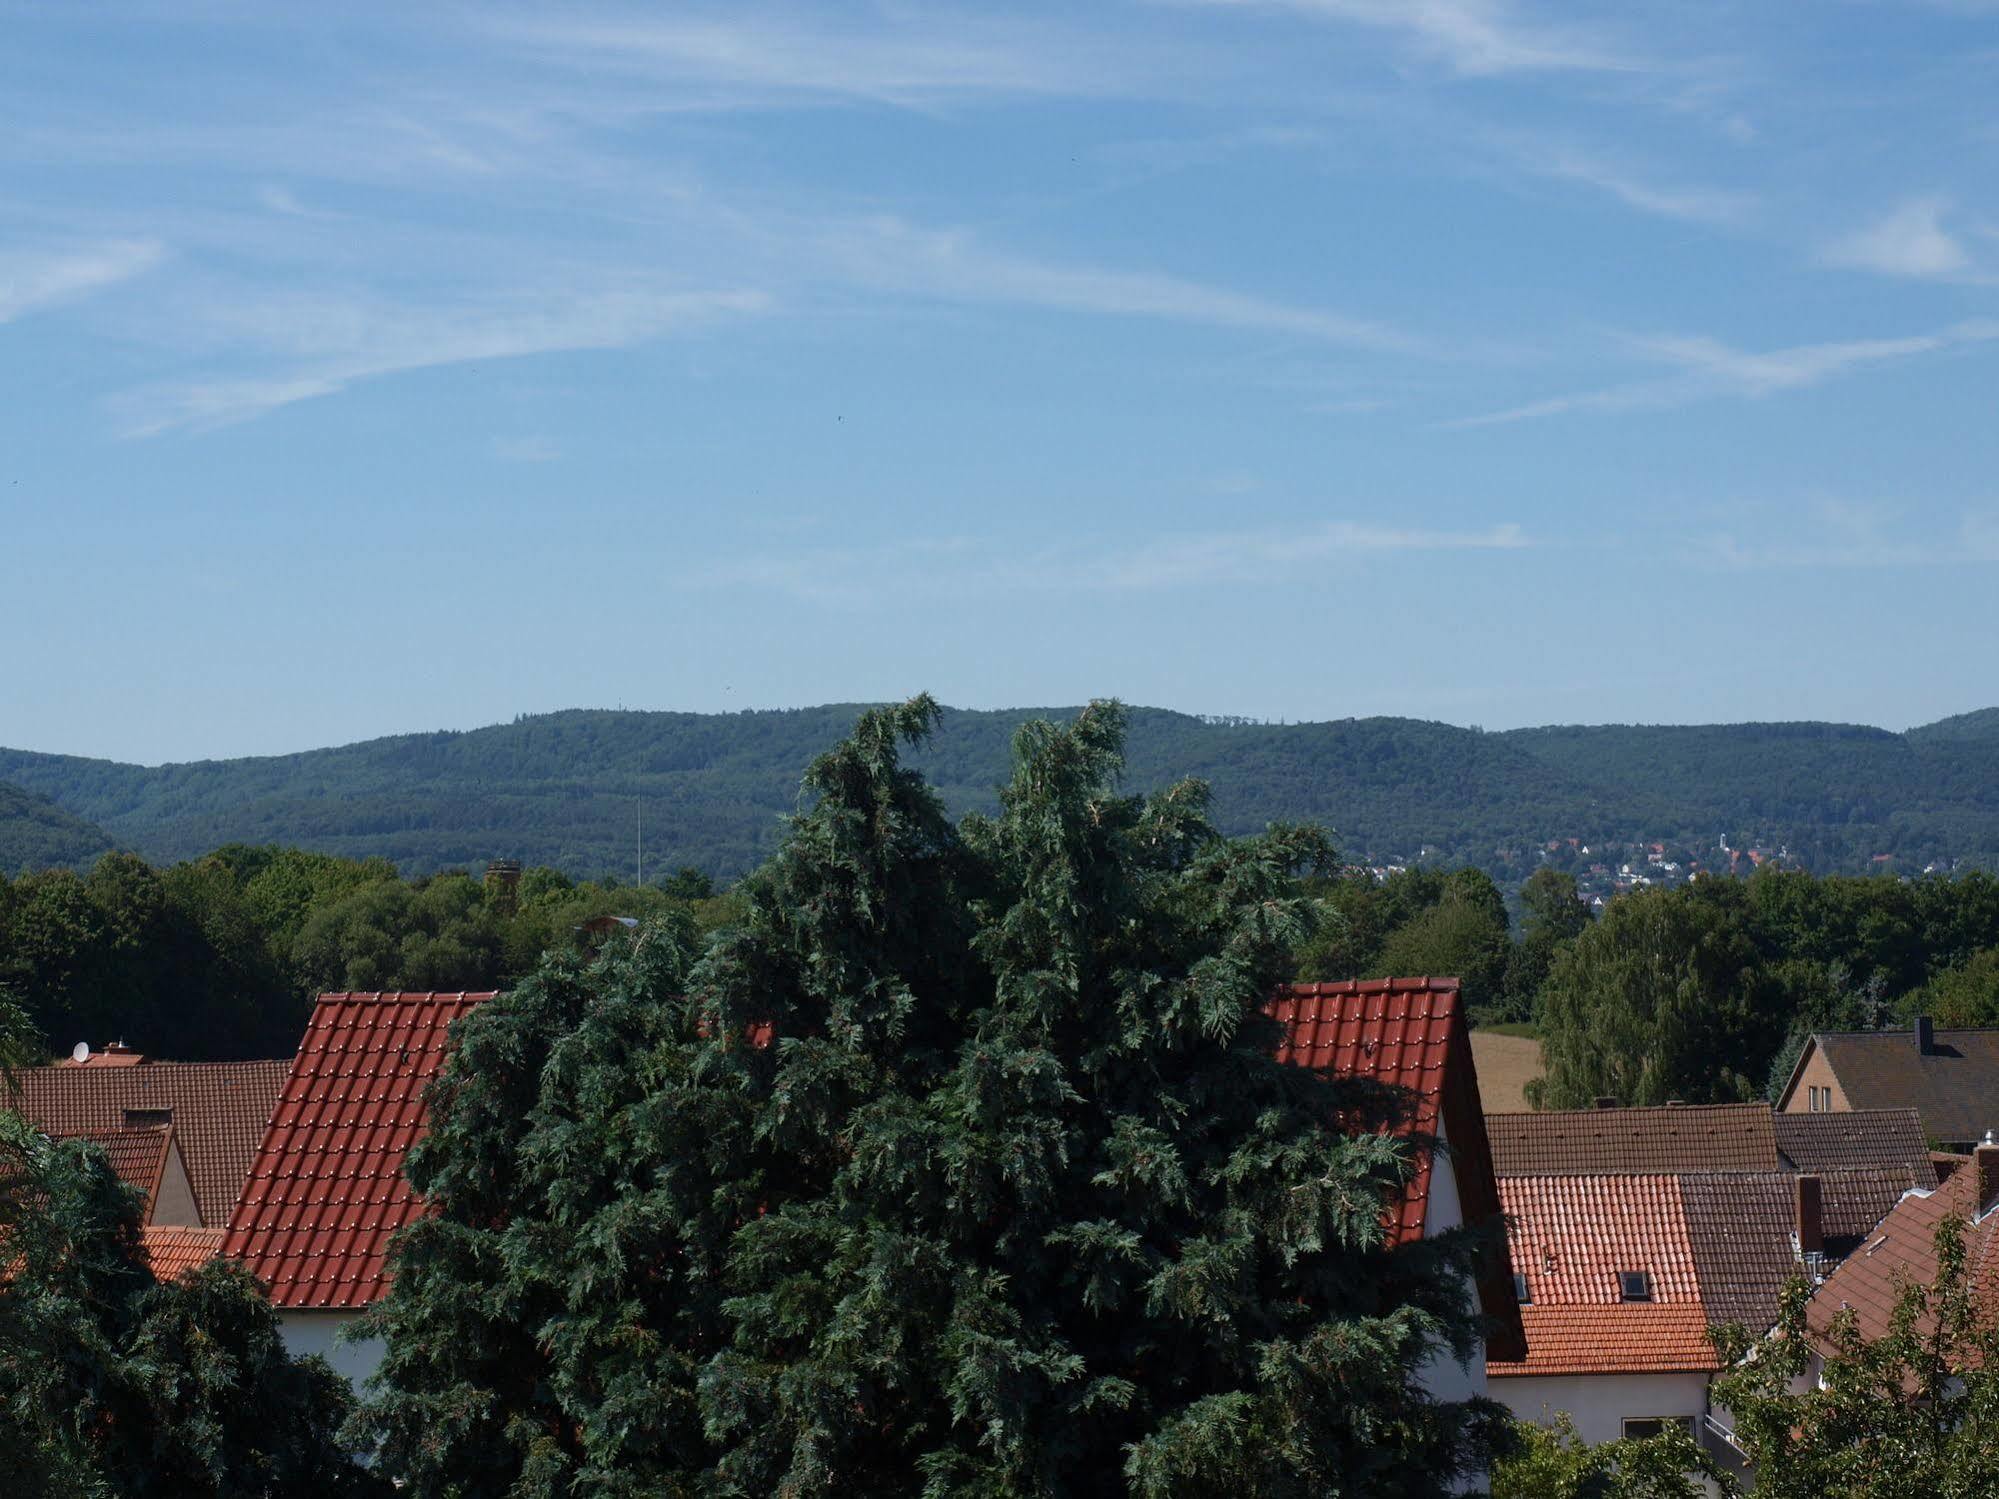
x=150 y=1159
x=1949 y=1077
x=218 y=1111
x=1609 y=1303
x=1412 y=1034
x=1635 y=1232
x=1901 y=1250
x=326 y=1190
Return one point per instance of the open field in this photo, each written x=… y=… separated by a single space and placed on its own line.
x=1505 y=1063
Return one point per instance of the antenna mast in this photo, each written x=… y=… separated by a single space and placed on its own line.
x=642 y=841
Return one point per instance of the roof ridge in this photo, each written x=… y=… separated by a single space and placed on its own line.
x=401 y=996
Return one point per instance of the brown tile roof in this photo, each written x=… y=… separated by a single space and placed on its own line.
x=1855 y=1202
x=1902 y=1251
x=1630 y=1339
x=1863 y=1137
x=138 y=1156
x=1954 y=1087
x=1698 y=1137
x=327 y=1190
x=1410 y=1033
x=172 y=1252
x=1743 y=1228
x=219 y=1112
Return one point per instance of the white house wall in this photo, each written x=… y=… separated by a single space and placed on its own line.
x=314 y=1333
x=1442 y=1375
x=1600 y=1404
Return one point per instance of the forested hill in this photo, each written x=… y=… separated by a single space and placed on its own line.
x=564 y=788
x=35 y=833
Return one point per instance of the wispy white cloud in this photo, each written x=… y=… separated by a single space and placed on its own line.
x=1857 y=536
x=324 y=346
x=1711 y=369
x=893 y=254
x=526 y=449
x=31 y=279
x=1692 y=204
x=1472 y=37
x=909 y=58
x=280 y=199
x=1910 y=240
x=960 y=565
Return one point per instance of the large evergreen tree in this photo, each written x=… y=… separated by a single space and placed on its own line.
x=961 y=1166
x=113 y=1385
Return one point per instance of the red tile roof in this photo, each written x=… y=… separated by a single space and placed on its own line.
x=1630 y=1339
x=1571 y=1235
x=138 y=1156
x=1409 y=1033
x=1396 y=1031
x=172 y=1252
x=219 y=1112
x=327 y=1190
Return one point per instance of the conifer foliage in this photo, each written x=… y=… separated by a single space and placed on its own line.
x=111 y=1384
x=961 y=1166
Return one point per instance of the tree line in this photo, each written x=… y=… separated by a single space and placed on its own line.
x=218 y=958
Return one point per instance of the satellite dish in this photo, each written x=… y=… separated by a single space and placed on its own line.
x=80 y=1053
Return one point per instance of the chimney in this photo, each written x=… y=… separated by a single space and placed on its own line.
x=1926 y=1037
x=1985 y=1159
x=1810 y=1215
x=1604 y=1101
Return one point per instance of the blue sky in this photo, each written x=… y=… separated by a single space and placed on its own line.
x=367 y=370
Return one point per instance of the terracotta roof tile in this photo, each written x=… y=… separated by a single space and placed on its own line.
x=1410 y=1033
x=327 y=1191
x=137 y=1156
x=172 y=1252
x=1396 y=1031
x=1630 y=1339
x=1699 y=1137
x=219 y=1111
x=1571 y=1235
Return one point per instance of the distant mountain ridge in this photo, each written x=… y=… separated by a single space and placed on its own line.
x=35 y=833
x=564 y=788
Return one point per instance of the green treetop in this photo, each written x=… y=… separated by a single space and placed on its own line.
x=958 y=1166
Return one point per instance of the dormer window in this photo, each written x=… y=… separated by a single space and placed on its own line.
x=1634 y=1285
x=1520 y=1292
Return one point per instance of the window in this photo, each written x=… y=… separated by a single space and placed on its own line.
x=147 y=1118
x=1634 y=1285
x=1520 y=1292
x=1651 y=1426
